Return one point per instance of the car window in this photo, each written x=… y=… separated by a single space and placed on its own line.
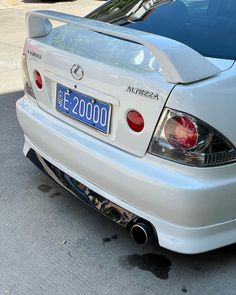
x=208 y=26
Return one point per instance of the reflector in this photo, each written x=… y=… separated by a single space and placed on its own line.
x=135 y=121
x=38 y=79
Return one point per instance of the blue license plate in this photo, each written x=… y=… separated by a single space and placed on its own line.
x=92 y=112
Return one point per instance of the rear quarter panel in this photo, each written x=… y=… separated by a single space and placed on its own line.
x=211 y=100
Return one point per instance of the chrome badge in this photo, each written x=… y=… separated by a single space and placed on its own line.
x=142 y=92
x=77 y=72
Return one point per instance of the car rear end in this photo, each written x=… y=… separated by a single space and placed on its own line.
x=103 y=117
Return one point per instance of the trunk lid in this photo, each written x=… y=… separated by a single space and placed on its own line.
x=122 y=67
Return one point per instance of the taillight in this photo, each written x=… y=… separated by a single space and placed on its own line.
x=26 y=79
x=183 y=138
x=135 y=121
x=38 y=80
x=181 y=132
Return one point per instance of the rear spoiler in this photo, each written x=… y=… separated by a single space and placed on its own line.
x=179 y=63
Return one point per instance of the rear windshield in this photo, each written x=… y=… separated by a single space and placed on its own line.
x=208 y=26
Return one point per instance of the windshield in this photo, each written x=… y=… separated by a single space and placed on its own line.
x=208 y=26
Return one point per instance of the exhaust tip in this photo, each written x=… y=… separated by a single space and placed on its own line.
x=141 y=233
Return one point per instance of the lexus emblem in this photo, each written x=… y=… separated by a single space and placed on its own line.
x=77 y=72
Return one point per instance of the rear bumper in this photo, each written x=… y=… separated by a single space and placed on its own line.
x=110 y=210
x=192 y=210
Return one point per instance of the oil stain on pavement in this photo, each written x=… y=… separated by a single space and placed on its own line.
x=44 y=188
x=107 y=240
x=158 y=265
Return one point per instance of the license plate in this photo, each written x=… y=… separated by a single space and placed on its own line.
x=83 y=108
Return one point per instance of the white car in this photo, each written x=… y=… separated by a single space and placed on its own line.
x=133 y=110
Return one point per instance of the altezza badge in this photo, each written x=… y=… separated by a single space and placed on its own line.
x=142 y=92
x=77 y=72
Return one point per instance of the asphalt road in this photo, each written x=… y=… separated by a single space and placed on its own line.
x=52 y=244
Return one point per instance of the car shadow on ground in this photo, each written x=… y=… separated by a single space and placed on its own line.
x=165 y=264
x=204 y=262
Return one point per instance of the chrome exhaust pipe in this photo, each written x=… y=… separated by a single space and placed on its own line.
x=141 y=233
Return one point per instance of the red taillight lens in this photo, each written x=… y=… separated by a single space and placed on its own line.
x=135 y=121
x=38 y=79
x=181 y=132
x=185 y=139
x=26 y=79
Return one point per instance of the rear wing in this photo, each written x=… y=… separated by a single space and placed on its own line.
x=179 y=63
